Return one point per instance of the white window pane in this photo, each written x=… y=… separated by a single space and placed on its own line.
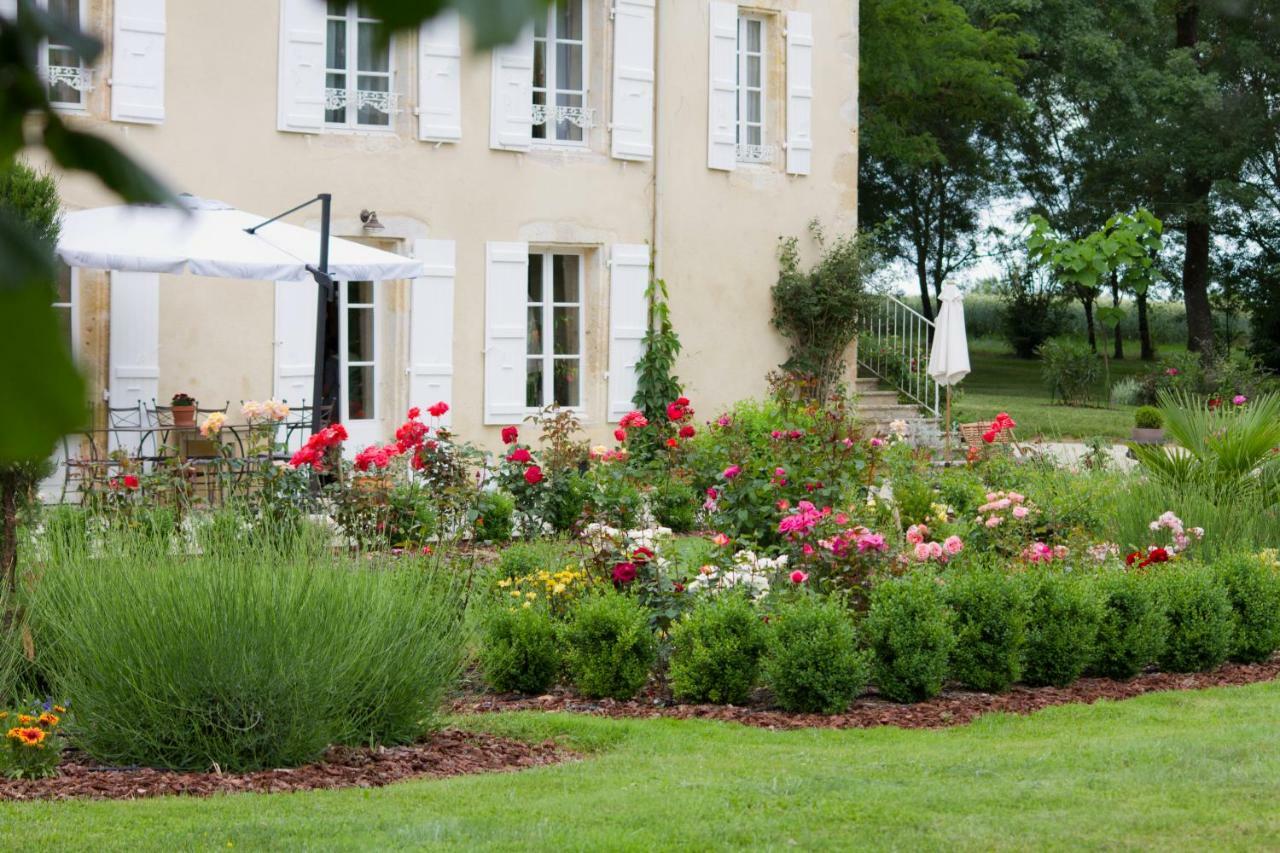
x=360 y=335
x=753 y=72
x=567 y=374
x=372 y=48
x=540 y=64
x=360 y=383
x=533 y=383
x=567 y=322
x=754 y=136
x=753 y=35
x=535 y=278
x=534 y=335
x=753 y=108
x=565 y=270
x=569 y=67
x=569 y=19
x=335 y=44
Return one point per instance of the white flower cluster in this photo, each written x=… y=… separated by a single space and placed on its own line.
x=601 y=537
x=750 y=572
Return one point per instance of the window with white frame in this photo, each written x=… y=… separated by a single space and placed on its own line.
x=554 y=367
x=358 y=74
x=64 y=306
x=560 y=111
x=752 y=147
x=359 y=347
x=63 y=70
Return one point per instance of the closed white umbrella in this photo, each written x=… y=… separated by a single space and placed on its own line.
x=949 y=357
x=209 y=239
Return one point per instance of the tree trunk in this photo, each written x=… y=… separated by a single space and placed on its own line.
x=1087 y=300
x=1144 y=329
x=922 y=276
x=1115 y=303
x=9 y=535
x=1195 y=286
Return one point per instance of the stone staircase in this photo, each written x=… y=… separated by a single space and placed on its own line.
x=878 y=406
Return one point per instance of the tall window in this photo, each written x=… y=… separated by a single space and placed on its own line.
x=359 y=346
x=554 y=369
x=751 y=144
x=560 y=112
x=357 y=68
x=66 y=76
x=64 y=307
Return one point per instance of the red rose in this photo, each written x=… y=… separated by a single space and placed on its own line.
x=642 y=554
x=677 y=586
x=130 y=481
x=675 y=411
x=671 y=442
x=620 y=434
x=624 y=573
x=510 y=435
x=520 y=455
x=989 y=436
x=1132 y=558
x=414 y=412
x=682 y=401
x=687 y=431
x=533 y=475
x=439 y=409
x=1155 y=555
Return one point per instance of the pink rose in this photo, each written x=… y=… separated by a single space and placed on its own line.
x=731 y=472
x=914 y=536
x=798 y=576
x=953 y=545
x=720 y=539
x=1239 y=399
x=922 y=551
x=935 y=550
x=994 y=521
x=877 y=442
x=1020 y=512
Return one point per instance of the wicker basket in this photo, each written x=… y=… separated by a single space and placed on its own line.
x=972 y=434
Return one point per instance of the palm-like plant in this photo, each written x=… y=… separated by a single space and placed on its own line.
x=1223 y=450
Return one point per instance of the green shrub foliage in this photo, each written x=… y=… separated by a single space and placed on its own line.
x=1201 y=621
x=1062 y=628
x=908 y=629
x=814 y=664
x=609 y=648
x=674 y=504
x=1070 y=369
x=991 y=629
x=1253 y=585
x=716 y=651
x=1148 y=417
x=495 y=516
x=521 y=652
x=1133 y=627
x=252 y=661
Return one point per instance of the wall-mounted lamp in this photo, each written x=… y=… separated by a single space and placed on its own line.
x=369 y=219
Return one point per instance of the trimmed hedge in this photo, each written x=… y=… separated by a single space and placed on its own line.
x=908 y=629
x=814 y=663
x=1133 y=627
x=990 y=627
x=1062 y=628
x=1201 y=620
x=716 y=651
x=608 y=646
x=1253 y=585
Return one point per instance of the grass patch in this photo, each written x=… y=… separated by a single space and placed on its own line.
x=999 y=382
x=1174 y=770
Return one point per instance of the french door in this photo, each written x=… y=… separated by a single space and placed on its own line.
x=359 y=340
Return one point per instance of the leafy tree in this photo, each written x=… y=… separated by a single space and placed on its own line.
x=656 y=383
x=936 y=94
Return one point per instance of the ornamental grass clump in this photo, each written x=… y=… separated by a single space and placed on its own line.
x=1201 y=620
x=1253 y=584
x=608 y=646
x=519 y=652
x=716 y=650
x=814 y=664
x=1062 y=628
x=1133 y=625
x=990 y=610
x=908 y=628
x=245 y=661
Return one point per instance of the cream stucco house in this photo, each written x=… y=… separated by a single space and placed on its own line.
x=540 y=185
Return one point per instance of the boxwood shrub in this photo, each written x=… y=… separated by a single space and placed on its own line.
x=1201 y=621
x=814 y=663
x=990 y=610
x=608 y=646
x=1253 y=585
x=716 y=650
x=520 y=651
x=1062 y=627
x=1133 y=627
x=908 y=629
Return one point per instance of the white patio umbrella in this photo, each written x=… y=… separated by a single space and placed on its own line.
x=211 y=238
x=949 y=357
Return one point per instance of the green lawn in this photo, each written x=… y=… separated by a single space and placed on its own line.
x=1175 y=770
x=999 y=382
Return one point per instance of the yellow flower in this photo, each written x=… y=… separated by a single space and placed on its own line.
x=50 y=720
x=558 y=589
x=60 y=709
x=515 y=593
x=504 y=583
x=531 y=595
x=526 y=604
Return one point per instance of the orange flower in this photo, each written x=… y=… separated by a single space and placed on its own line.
x=25 y=719
x=27 y=736
x=60 y=709
x=50 y=720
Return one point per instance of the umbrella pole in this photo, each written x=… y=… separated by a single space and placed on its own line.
x=324 y=292
x=946 y=430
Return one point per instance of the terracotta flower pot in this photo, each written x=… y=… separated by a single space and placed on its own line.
x=1142 y=435
x=184 y=416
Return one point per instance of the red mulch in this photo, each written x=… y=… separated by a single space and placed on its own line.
x=952 y=708
x=447 y=753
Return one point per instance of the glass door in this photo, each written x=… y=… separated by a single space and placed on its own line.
x=358 y=341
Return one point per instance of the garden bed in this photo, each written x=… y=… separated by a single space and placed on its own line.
x=954 y=707
x=451 y=752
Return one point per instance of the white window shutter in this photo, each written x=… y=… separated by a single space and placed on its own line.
x=295 y=342
x=506 y=330
x=300 y=94
x=722 y=102
x=134 y=339
x=440 y=78
x=137 y=61
x=431 y=327
x=799 y=92
x=628 y=321
x=633 y=79
x=511 y=99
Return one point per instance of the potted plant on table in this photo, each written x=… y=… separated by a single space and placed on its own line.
x=1148 y=425
x=184 y=410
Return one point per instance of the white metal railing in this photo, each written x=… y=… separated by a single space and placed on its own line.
x=893 y=344
x=583 y=117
